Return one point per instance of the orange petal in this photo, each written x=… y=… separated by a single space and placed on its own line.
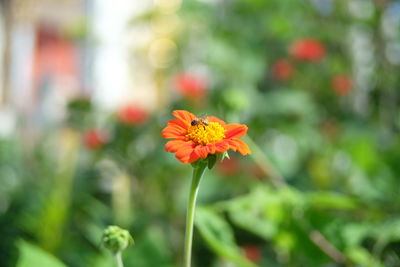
x=243 y=148
x=221 y=146
x=235 y=130
x=239 y=145
x=215 y=119
x=189 y=158
x=172 y=131
x=183 y=115
x=193 y=157
x=211 y=148
x=174 y=145
x=178 y=123
x=186 y=153
x=202 y=151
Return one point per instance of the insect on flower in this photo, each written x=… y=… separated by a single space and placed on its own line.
x=199 y=121
x=196 y=137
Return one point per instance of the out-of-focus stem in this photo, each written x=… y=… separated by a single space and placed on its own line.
x=118 y=259
x=121 y=199
x=263 y=162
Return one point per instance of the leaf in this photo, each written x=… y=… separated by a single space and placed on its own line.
x=355 y=233
x=31 y=255
x=263 y=210
x=330 y=200
x=361 y=256
x=248 y=213
x=151 y=242
x=219 y=236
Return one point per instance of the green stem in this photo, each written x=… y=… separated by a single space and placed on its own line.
x=198 y=172
x=118 y=259
x=265 y=164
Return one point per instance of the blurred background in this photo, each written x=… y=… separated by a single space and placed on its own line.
x=86 y=87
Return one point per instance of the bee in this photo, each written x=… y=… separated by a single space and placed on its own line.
x=199 y=121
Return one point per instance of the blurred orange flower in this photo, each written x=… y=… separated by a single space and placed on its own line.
x=342 y=84
x=94 y=139
x=190 y=86
x=282 y=70
x=196 y=138
x=307 y=49
x=132 y=115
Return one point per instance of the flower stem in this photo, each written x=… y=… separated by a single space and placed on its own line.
x=118 y=259
x=198 y=172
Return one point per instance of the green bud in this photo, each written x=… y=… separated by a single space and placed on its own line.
x=116 y=239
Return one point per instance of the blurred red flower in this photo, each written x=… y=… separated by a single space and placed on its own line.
x=342 y=84
x=253 y=253
x=132 y=115
x=94 y=139
x=190 y=86
x=282 y=70
x=229 y=167
x=307 y=49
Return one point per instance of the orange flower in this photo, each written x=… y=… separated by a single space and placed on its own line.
x=195 y=138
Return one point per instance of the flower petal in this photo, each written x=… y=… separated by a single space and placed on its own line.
x=193 y=157
x=211 y=148
x=221 y=146
x=178 y=123
x=215 y=119
x=175 y=129
x=183 y=115
x=235 y=130
x=174 y=145
x=186 y=153
x=202 y=151
x=172 y=131
x=239 y=145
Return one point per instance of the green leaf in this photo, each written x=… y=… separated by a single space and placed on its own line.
x=263 y=210
x=330 y=200
x=151 y=242
x=361 y=256
x=249 y=214
x=31 y=255
x=219 y=236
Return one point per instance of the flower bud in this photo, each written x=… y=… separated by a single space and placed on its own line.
x=116 y=239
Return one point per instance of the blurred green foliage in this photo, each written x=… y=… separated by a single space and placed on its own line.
x=320 y=189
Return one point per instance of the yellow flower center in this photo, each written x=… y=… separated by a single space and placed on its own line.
x=206 y=134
